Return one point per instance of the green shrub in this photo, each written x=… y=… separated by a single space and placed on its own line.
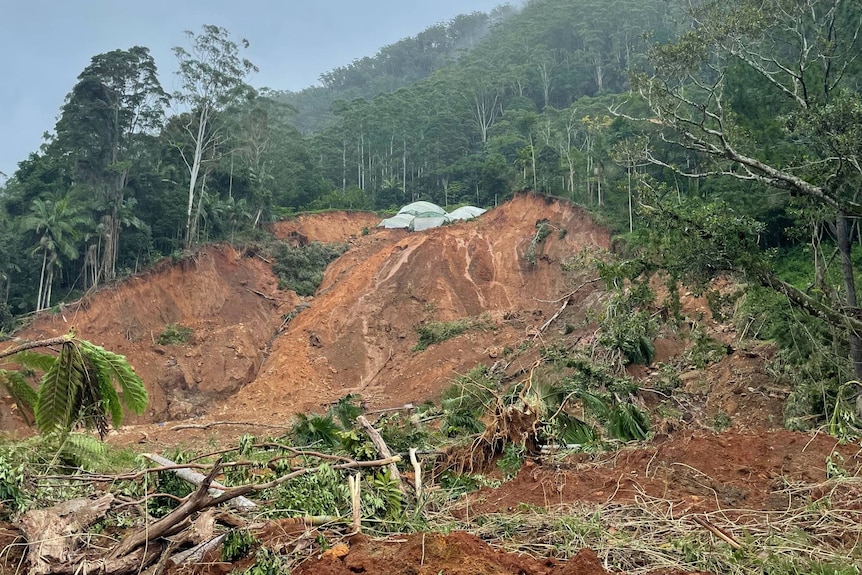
x=301 y=268
x=438 y=331
x=174 y=334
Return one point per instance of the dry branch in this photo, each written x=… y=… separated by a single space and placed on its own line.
x=382 y=449
x=240 y=503
x=215 y=423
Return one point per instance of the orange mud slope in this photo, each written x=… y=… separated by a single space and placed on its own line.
x=229 y=300
x=358 y=334
x=245 y=363
x=325 y=227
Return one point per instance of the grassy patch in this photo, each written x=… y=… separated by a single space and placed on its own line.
x=438 y=331
x=174 y=334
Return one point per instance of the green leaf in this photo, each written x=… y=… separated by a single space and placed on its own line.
x=39 y=361
x=134 y=392
x=59 y=393
x=22 y=393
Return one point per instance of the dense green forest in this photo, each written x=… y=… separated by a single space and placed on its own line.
x=718 y=136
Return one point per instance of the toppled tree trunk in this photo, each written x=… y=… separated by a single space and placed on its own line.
x=53 y=534
x=241 y=503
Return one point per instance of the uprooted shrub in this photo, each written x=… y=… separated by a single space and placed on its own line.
x=578 y=409
x=439 y=331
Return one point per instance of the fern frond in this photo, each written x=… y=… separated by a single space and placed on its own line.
x=35 y=360
x=134 y=392
x=25 y=397
x=83 y=450
x=59 y=393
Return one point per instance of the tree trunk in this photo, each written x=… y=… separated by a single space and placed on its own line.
x=41 y=281
x=195 y=170
x=845 y=247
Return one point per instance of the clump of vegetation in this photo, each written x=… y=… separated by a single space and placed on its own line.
x=301 y=268
x=705 y=350
x=237 y=544
x=628 y=327
x=543 y=230
x=175 y=334
x=438 y=331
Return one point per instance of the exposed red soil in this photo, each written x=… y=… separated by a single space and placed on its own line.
x=325 y=227
x=433 y=553
x=693 y=471
x=230 y=301
x=247 y=364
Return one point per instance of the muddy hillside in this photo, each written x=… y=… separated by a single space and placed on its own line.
x=247 y=350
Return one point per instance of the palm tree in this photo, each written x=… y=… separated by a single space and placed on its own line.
x=58 y=222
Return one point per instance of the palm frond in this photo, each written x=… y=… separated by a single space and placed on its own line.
x=59 y=393
x=627 y=422
x=22 y=393
x=115 y=367
x=568 y=429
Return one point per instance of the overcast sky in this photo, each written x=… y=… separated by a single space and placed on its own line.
x=45 y=44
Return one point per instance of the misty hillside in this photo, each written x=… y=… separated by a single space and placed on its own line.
x=394 y=66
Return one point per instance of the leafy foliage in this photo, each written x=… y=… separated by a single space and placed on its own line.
x=301 y=268
x=174 y=334
x=79 y=387
x=433 y=332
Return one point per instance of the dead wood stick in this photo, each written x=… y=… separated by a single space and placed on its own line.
x=571 y=293
x=261 y=294
x=240 y=503
x=417 y=473
x=718 y=532
x=553 y=317
x=200 y=500
x=405 y=407
x=354 y=481
x=197 y=552
x=382 y=449
x=215 y=423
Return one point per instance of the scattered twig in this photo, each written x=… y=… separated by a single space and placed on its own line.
x=216 y=423
x=720 y=533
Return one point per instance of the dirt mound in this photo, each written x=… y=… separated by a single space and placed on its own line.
x=325 y=227
x=433 y=553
